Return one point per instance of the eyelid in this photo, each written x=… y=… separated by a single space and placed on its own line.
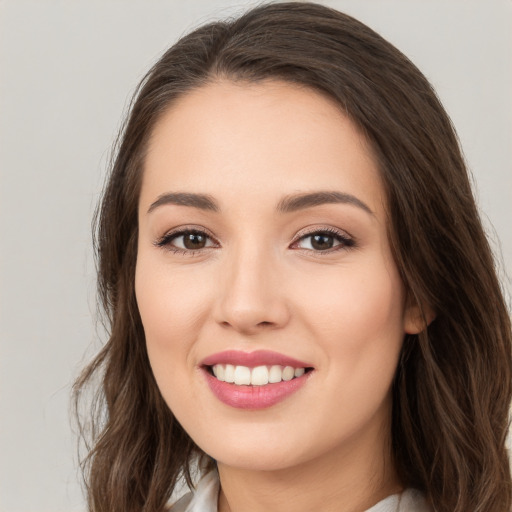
x=165 y=240
x=347 y=240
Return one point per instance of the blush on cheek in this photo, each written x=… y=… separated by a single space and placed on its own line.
x=369 y=342
x=377 y=301
x=168 y=308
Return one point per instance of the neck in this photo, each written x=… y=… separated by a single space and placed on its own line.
x=353 y=477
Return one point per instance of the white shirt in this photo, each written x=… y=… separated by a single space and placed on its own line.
x=204 y=499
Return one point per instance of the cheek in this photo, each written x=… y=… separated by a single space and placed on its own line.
x=172 y=310
x=375 y=306
x=172 y=315
x=358 y=318
x=169 y=303
x=360 y=328
x=355 y=301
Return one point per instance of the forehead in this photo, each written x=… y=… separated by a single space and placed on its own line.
x=261 y=139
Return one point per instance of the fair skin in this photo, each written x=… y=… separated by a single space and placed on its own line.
x=246 y=268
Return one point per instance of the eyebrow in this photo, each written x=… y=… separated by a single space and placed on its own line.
x=296 y=202
x=288 y=204
x=201 y=201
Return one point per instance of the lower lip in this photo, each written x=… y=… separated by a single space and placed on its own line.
x=254 y=397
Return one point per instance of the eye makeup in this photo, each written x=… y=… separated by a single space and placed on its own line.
x=324 y=240
x=192 y=240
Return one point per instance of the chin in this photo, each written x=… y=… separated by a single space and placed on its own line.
x=268 y=450
x=258 y=460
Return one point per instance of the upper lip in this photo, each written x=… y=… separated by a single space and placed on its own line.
x=253 y=359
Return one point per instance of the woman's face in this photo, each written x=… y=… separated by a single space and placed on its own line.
x=263 y=255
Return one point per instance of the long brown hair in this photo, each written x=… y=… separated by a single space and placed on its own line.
x=453 y=384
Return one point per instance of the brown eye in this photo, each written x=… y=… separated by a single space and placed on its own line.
x=324 y=241
x=194 y=241
x=321 y=242
x=185 y=241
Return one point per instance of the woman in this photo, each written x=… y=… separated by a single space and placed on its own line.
x=301 y=296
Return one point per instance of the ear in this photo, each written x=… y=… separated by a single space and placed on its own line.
x=417 y=318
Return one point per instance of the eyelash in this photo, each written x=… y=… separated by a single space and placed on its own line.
x=345 y=241
x=165 y=242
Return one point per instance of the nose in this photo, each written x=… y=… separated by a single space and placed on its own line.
x=251 y=296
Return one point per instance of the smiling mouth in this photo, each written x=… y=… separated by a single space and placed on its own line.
x=256 y=376
x=254 y=380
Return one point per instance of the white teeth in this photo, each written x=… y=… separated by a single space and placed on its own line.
x=229 y=374
x=242 y=375
x=288 y=373
x=220 y=372
x=299 y=371
x=275 y=374
x=258 y=376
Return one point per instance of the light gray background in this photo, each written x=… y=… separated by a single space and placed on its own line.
x=67 y=69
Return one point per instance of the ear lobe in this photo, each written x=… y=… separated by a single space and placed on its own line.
x=417 y=318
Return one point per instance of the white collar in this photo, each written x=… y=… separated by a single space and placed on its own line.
x=205 y=496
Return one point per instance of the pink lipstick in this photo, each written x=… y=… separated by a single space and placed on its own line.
x=252 y=359
x=254 y=380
